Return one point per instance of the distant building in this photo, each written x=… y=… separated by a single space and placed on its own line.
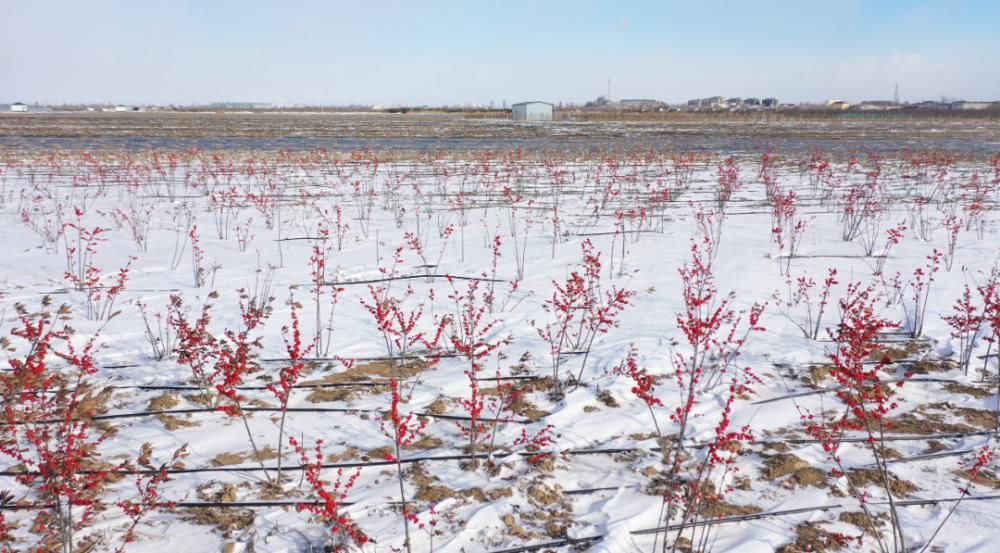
x=970 y=106
x=837 y=104
x=751 y=102
x=876 y=105
x=532 y=111
x=714 y=102
x=931 y=105
x=769 y=102
x=18 y=106
x=123 y=108
x=240 y=106
x=641 y=105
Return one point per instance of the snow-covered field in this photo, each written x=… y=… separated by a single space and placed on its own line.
x=570 y=342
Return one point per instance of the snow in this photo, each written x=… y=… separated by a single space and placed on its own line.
x=432 y=192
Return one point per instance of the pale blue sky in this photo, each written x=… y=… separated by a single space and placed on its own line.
x=450 y=51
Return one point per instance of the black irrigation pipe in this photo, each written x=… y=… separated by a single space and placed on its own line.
x=185 y=387
x=365 y=383
x=68 y=290
x=504 y=455
x=928 y=456
x=818 y=391
x=615 y=233
x=293 y=468
x=409 y=277
x=830 y=364
x=830 y=256
x=197 y=410
x=923 y=502
x=416 y=357
x=187 y=505
x=740 y=518
x=895 y=438
x=259 y=503
x=884 y=341
x=557 y=543
x=770 y=514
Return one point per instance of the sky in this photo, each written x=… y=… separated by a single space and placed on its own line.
x=438 y=52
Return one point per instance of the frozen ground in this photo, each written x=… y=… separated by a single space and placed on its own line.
x=790 y=132
x=405 y=225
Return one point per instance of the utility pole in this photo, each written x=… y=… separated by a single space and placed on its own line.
x=609 y=90
x=895 y=96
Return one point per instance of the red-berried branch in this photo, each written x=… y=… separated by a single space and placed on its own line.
x=344 y=532
x=403 y=431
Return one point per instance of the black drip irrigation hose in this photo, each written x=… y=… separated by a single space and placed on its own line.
x=255 y=503
x=835 y=506
x=584 y=540
x=198 y=410
x=587 y=540
x=818 y=391
x=411 y=277
x=564 y=453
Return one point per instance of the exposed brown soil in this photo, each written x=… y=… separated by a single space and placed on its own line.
x=985 y=477
x=934 y=446
x=931 y=419
x=225 y=459
x=981 y=418
x=323 y=395
x=859 y=519
x=753 y=127
x=871 y=477
x=374 y=370
x=969 y=390
x=816 y=374
x=719 y=508
x=608 y=399
x=521 y=405
x=528 y=410
x=424 y=443
x=91 y=402
x=482 y=496
x=929 y=365
x=224 y=519
x=173 y=422
x=164 y=402
x=898 y=352
x=809 y=537
x=802 y=473
x=514 y=528
x=434 y=493
x=217 y=492
x=379 y=453
x=437 y=407
x=346 y=455
x=782 y=465
x=543 y=494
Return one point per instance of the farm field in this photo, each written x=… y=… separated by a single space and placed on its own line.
x=729 y=349
x=409 y=134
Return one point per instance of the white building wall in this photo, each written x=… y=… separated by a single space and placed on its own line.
x=532 y=111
